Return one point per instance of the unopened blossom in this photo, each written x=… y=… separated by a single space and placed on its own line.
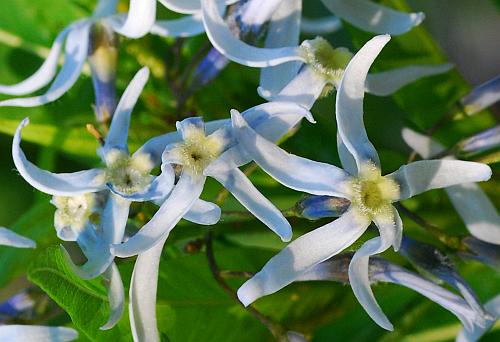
x=481 y=142
x=479 y=250
x=381 y=270
x=361 y=182
x=482 y=96
x=300 y=73
x=78 y=48
x=472 y=204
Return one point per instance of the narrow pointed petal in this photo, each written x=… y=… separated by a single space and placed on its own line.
x=182 y=198
x=116 y=295
x=477 y=331
x=477 y=211
x=187 y=26
x=182 y=6
x=349 y=105
x=230 y=46
x=482 y=96
x=141 y=16
x=292 y=171
x=424 y=175
x=114 y=218
x=203 y=212
x=388 y=82
x=320 y=26
x=105 y=8
x=346 y=159
x=142 y=294
x=37 y=333
x=42 y=76
x=422 y=144
x=244 y=191
x=304 y=88
x=118 y=131
x=372 y=17
x=398 y=236
x=57 y=184
x=9 y=238
x=283 y=30
x=75 y=54
x=359 y=278
x=302 y=254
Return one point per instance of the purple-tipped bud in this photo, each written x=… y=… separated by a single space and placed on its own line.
x=15 y=306
x=317 y=207
x=482 y=96
x=103 y=58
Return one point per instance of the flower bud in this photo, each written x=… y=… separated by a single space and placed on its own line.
x=317 y=207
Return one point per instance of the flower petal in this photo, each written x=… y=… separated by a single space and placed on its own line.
x=118 y=131
x=303 y=89
x=9 y=238
x=203 y=212
x=349 y=105
x=319 y=26
x=114 y=218
x=182 y=198
x=292 y=171
x=283 y=30
x=302 y=254
x=57 y=184
x=422 y=144
x=36 y=333
x=346 y=158
x=360 y=283
x=116 y=296
x=142 y=294
x=482 y=96
x=477 y=331
x=388 y=82
x=423 y=175
x=372 y=17
x=187 y=26
x=244 y=191
x=223 y=39
x=140 y=17
x=42 y=76
x=75 y=54
x=105 y=8
x=182 y=6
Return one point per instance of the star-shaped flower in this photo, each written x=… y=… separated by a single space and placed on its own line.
x=371 y=194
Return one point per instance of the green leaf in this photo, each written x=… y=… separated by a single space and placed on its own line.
x=85 y=301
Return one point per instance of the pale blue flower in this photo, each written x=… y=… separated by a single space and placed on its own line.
x=300 y=73
x=381 y=270
x=472 y=204
x=371 y=194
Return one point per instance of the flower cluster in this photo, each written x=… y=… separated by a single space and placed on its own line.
x=92 y=206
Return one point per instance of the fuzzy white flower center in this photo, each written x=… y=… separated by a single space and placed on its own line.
x=73 y=211
x=128 y=174
x=372 y=194
x=198 y=150
x=325 y=60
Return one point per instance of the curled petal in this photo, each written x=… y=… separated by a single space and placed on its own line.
x=283 y=30
x=116 y=296
x=187 y=26
x=182 y=198
x=142 y=294
x=203 y=212
x=302 y=254
x=303 y=89
x=36 y=333
x=9 y=238
x=223 y=39
x=422 y=144
x=75 y=54
x=141 y=16
x=114 y=218
x=373 y=17
x=57 y=184
x=244 y=191
x=318 y=26
x=388 y=82
x=292 y=171
x=346 y=158
x=477 y=331
x=423 y=175
x=42 y=76
x=118 y=131
x=349 y=105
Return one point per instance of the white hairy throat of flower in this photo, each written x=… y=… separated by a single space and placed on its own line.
x=372 y=194
x=328 y=62
x=75 y=211
x=198 y=150
x=128 y=174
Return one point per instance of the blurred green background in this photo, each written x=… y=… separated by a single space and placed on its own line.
x=191 y=306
